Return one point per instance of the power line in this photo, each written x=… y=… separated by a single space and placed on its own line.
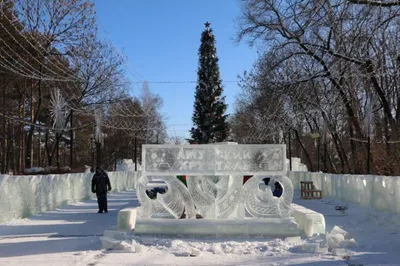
x=189 y=81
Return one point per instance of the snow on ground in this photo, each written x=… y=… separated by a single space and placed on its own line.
x=66 y=236
x=70 y=236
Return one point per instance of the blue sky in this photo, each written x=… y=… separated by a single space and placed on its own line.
x=161 y=40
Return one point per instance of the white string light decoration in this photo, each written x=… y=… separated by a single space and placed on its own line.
x=58 y=110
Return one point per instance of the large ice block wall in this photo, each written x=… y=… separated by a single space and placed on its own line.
x=297 y=165
x=381 y=193
x=23 y=196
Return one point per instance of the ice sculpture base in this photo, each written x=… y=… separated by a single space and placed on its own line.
x=268 y=227
x=310 y=222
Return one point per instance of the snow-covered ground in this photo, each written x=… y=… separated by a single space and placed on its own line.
x=66 y=236
x=70 y=236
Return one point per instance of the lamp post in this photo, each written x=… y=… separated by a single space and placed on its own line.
x=317 y=135
x=92 y=148
x=98 y=160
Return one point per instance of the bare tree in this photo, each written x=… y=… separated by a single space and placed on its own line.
x=376 y=3
x=61 y=26
x=153 y=119
x=330 y=65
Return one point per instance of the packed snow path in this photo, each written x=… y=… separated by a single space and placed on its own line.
x=64 y=236
x=70 y=236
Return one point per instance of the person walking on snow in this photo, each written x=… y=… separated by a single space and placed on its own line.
x=101 y=185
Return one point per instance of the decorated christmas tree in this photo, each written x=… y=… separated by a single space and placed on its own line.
x=209 y=116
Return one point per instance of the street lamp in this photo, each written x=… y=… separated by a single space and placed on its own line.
x=92 y=150
x=317 y=135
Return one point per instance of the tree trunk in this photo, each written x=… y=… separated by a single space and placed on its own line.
x=29 y=147
x=308 y=158
x=13 y=161
x=4 y=125
x=9 y=146
x=46 y=144
x=353 y=150
x=71 y=153
x=55 y=151
x=23 y=134
x=58 y=152
x=39 y=152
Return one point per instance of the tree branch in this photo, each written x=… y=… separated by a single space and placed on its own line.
x=376 y=3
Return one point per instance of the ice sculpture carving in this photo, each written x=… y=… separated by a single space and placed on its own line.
x=202 y=191
x=214 y=160
x=260 y=203
x=177 y=198
x=229 y=197
x=171 y=204
x=215 y=200
x=149 y=208
x=214 y=180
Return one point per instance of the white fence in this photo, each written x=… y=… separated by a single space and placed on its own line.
x=381 y=193
x=23 y=196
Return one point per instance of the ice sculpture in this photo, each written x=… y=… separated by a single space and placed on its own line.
x=260 y=202
x=214 y=180
x=215 y=200
x=149 y=208
x=202 y=191
x=177 y=198
x=213 y=160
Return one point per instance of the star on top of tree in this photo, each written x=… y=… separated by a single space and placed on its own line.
x=207 y=24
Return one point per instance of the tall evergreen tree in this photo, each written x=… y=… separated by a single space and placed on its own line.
x=209 y=117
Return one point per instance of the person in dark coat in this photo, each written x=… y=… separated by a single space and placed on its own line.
x=101 y=185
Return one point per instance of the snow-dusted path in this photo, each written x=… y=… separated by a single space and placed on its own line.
x=70 y=236
x=66 y=236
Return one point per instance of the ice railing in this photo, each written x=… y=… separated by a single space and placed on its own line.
x=214 y=176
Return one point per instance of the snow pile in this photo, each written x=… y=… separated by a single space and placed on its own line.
x=87 y=169
x=47 y=170
x=333 y=247
x=127 y=165
x=338 y=239
x=198 y=246
x=34 y=170
x=336 y=242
